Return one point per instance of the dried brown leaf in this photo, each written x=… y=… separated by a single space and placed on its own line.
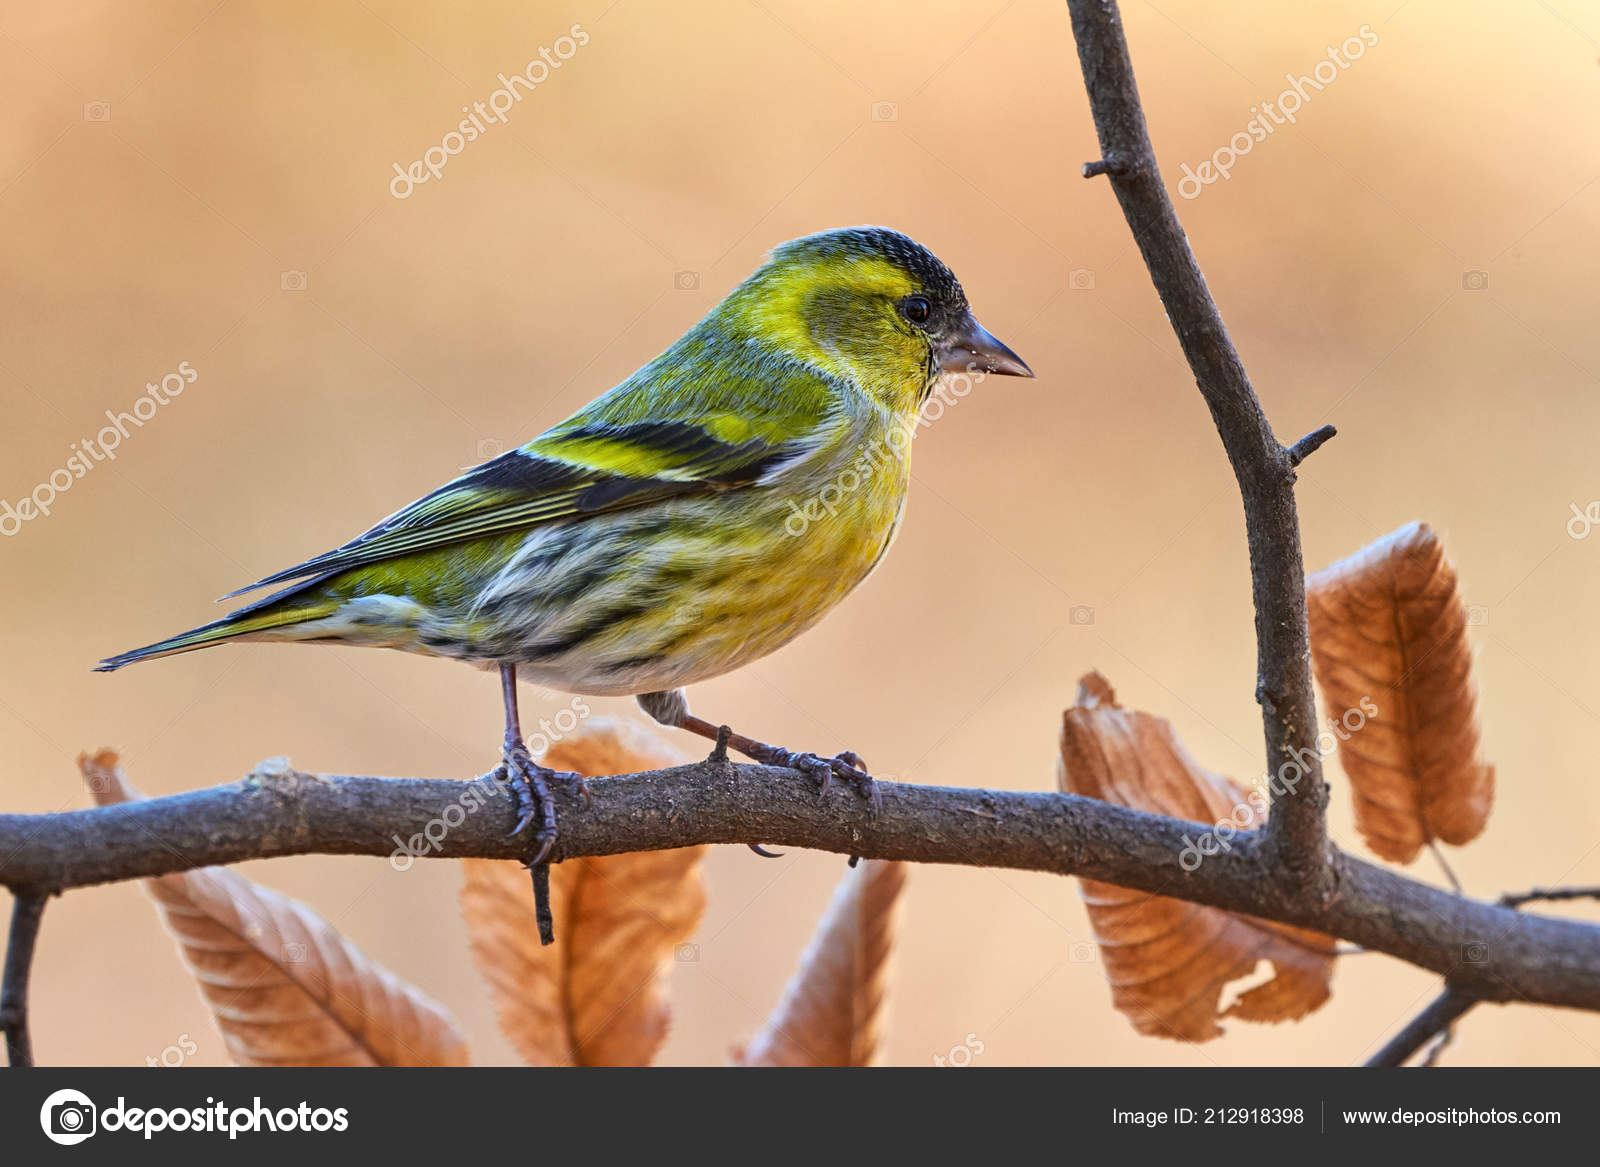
x=596 y=997
x=1389 y=647
x=1169 y=961
x=285 y=988
x=525 y=980
x=831 y=1012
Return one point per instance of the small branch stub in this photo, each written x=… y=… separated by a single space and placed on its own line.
x=1310 y=444
x=1113 y=164
x=541 y=903
x=719 y=752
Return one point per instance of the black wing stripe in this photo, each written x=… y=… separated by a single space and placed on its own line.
x=558 y=489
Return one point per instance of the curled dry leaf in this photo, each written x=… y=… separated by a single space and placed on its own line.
x=831 y=1012
x=284 y=987
x=1389 y=648
x=1169 y=961
x=596 y=997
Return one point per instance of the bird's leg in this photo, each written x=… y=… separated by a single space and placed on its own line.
x=529 y=781
x=671 y=708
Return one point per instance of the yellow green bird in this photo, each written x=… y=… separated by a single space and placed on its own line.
x=696 y=517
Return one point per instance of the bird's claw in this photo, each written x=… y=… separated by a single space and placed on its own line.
x=530 y=788
x=846 y=766
x=573 y=781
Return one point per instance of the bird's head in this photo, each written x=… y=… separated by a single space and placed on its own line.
x=871 y=305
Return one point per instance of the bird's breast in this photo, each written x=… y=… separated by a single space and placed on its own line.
x=812 y=538
x=697 y=587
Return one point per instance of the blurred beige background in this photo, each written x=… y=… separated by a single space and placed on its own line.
x=209 y=182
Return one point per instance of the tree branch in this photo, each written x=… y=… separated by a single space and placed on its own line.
x=1437 y=1018
x=26 y=911
x=1296 y=831
x=1497 y=953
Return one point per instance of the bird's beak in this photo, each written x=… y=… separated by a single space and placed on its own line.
x=971 y=349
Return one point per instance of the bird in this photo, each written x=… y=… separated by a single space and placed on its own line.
x=696 y=517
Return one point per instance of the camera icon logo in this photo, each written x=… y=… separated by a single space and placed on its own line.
x=1475 y=952
x=293 y=281
x=490 y=448
x=686 y=281
x=686 y=954
x=1080 y=614
x=885 y=111
x=294 y=952
x=97 y=111
x=1475 y=280
x=1477 y=615
x=68 y=1117
x=1081 y=279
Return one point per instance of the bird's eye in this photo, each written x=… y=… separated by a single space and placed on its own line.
x=916 y=309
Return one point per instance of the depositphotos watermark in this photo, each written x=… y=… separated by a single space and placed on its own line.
x=174 y=1056
x=69 y=1117
x=1271 y=115
x=1253 y=810
x=481 y=115
x=88 y=452
x=1582 y=521
x=962 y=1053
x=475 y=795
x=951 y=388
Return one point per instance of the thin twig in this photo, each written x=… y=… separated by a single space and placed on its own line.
x=1441 y=1043
x=1517 y=899
x=1296 y=830
x=26 y=911
x=1444 y=866
x=1440 y=1014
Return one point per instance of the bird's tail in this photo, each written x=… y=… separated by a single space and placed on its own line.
x=245 y=623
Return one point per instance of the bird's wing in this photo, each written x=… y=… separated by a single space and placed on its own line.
x=582 y=467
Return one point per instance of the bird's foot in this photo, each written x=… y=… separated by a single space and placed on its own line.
x=670 y=708
x=845 y=765
x=530 y=788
